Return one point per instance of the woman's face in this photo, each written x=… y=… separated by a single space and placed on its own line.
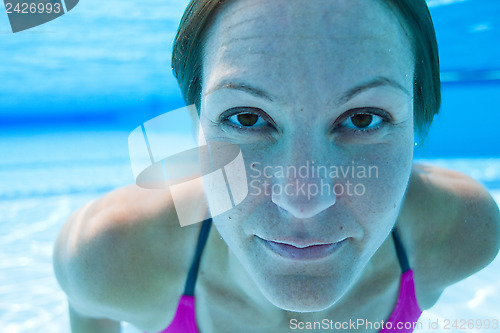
x=318 y=95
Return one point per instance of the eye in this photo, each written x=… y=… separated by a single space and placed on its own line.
x=245 y=119
x=364 y=121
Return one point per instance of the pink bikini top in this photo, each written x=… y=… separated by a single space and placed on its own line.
x=402 y=319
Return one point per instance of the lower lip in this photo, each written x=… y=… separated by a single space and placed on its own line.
x=313 y=252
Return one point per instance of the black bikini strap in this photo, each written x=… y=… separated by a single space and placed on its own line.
x=193 y=271
x=400 y=250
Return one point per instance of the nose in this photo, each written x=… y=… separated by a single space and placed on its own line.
x=304 y=191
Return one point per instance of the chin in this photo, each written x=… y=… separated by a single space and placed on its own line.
x=303 y=294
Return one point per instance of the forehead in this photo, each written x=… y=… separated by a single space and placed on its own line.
x=336 y=42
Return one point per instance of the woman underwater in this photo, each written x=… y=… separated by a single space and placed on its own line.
x=333 y=83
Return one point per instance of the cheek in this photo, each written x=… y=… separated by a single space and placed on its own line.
x=384 y=186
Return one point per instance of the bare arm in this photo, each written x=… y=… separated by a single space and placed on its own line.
x=120 y=258
x=452 y=229
x=83 y=324
x=67 y=242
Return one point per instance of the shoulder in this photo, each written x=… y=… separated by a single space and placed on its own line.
x=123 y=255
x=452 y=226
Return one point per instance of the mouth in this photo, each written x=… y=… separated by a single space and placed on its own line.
x=303 y=253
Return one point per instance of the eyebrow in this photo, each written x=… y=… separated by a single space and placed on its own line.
x=230 y=84
x=378 y=81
